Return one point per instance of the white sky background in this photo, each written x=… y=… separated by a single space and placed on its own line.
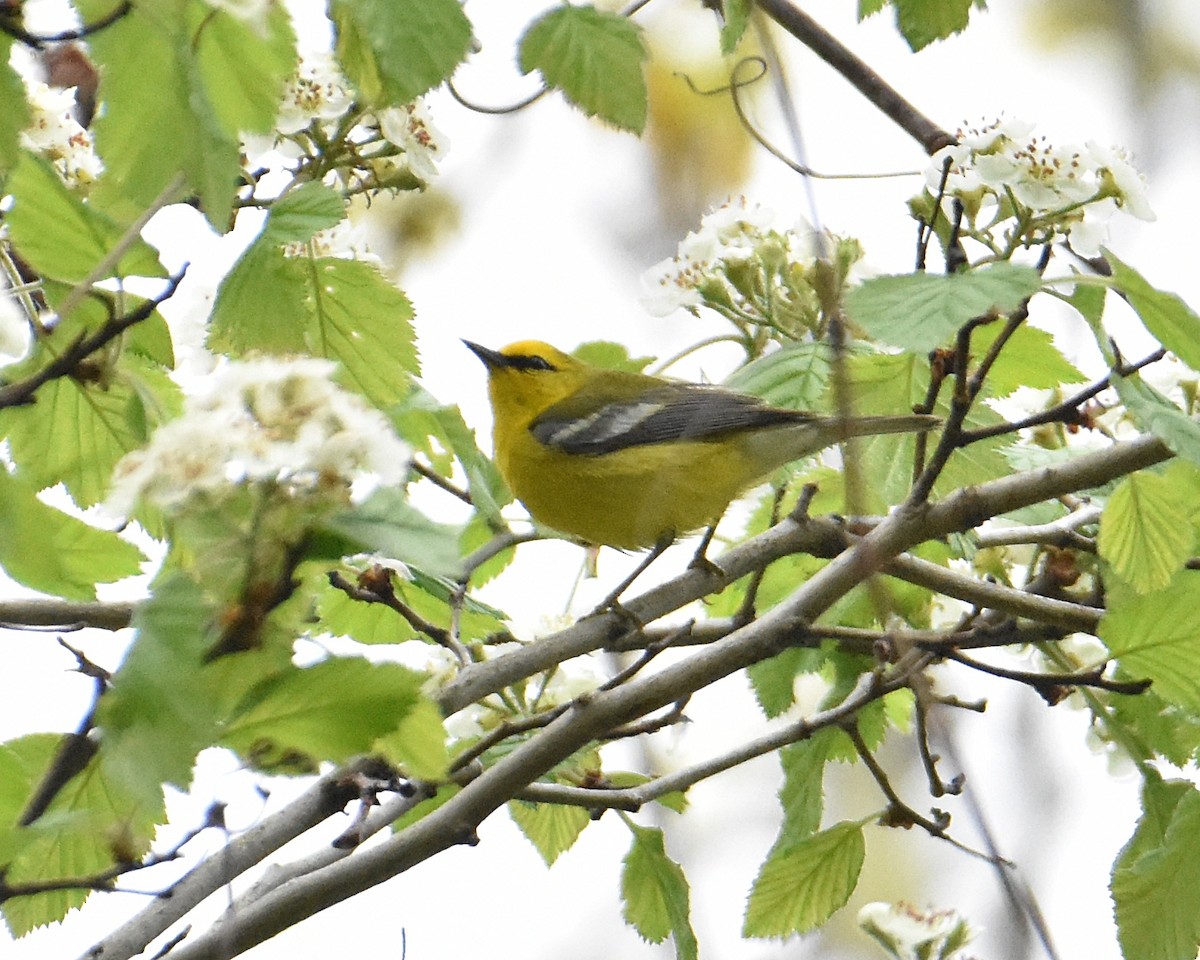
x=559 y=220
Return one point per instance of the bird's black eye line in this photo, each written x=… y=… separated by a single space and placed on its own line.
x=529 y=361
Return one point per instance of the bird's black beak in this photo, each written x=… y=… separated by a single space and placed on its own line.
x=492 y=359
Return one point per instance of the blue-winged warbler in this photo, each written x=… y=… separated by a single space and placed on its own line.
x=628 y=460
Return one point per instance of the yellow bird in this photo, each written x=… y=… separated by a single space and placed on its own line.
x=633 y=461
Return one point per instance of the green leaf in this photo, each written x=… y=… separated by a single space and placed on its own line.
x=923 y=311
x=923 y=21
x=162 y=708
x=395 y=50
x=802 y=794
x=774 y=679
x=1145 y=533
x=364 y=322
x=243 y=66
x=795 y=376
x=1160 y=416
x=418 y=745
x=1156 y=878
x=733 y=28
x=594 y=58
x=387 y=523
x=91 y=825
x=59 y=235
x=328 y=307
x=1174 y=324
x=159 y=118
x=300 y=214
x=76 y=432
x=70 y=556
x=1164 y=728
x=552 y=828
x=655 y=893
x=14 y=110
x=330 y=711
x=802 y=884
x=613 y=356
x=1029 y=359
x=1157 y=635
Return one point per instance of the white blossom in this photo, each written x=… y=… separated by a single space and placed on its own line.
x=910 y=934
x=412 y=129
x=1066 y=190
x=55 y=134
x=317 y=92
x=282 y=422
x=734 y=231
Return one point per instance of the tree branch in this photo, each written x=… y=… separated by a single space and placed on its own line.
x=871 y=85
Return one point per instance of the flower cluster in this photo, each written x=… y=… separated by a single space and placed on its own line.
x=745 y=265
x=54 y=133
x=318 y=117
x=907 y=933
x=1018 y=189
x=279 y=423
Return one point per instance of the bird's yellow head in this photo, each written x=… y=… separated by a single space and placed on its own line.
x=528 y=377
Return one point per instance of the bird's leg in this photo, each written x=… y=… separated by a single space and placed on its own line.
x=700 y=559
x=611 y=603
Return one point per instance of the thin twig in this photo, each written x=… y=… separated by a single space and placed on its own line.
x=21 y=392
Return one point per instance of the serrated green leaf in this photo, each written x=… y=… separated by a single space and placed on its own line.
x=1156 y=880
x=802 y=884
x=418 y=745
x=1145 y=534
x=795 y=376
x=262 y=304
x=62 y=237
x=301 y=213
x=76 y=432
x=330 y=711
x=365 y=323
x=91 y=824
x=594 y=58
x=613 y=356
x=1165 y=729
x=655 y=893
x=733 y=28
x=774 y=679
x=1157 y=635
x=923 y=311
x=243 y=65
x=1029 y=359
x=552 y=828
x=867 y=8
x=71 y=556
x=395 y=50
x=344 y=310
x=148 y=139
x=923 y=21
x=1160 y=416
x=802 y=793
x=387 y=523
x=1175 y=325
x=161 y=710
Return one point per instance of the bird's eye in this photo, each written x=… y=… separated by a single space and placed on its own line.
x=530 y=361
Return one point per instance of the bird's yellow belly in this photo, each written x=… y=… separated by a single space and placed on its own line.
x=630 y=498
